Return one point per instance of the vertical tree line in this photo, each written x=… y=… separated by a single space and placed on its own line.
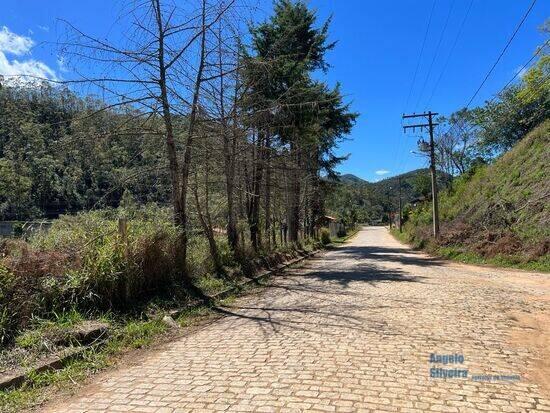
x=227 y=119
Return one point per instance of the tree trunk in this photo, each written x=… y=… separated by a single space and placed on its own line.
x=179 y=211
x=190 y=136
x=294 y=204
x=229 y=149
x=267 y=205
x=206 y=224
x=254 y=197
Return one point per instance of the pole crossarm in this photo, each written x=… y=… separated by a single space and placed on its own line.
x=419 y=125
x=418 y=115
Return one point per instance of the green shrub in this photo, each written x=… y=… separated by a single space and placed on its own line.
x=210 y=284
x=325 y=236
x=82 y=262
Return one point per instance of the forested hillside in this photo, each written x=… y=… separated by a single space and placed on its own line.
x=61 y=153
x=353 y=199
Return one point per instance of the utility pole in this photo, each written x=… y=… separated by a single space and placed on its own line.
x=430 y=125
x=400 y=206
x=389 y=207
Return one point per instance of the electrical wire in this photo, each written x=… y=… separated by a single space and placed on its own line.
x=502 y=52
x=450 y=52
x=435 y=55
x=420 y=55
x=540 y=85
x=398 y=147
x=522 y=68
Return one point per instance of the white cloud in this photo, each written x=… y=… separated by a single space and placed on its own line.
x=382 y=172
x=30 y=67
x=13 y=43
x=45 y=28
x=17 y=45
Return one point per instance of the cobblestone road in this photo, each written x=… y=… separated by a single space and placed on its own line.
x=351 y=331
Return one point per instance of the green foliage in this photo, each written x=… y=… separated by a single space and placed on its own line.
x=497 y=213
x=422 y=185
x=312 y=116
x=55 y=157
x=83 y=262
x=211 y=285
x=518 y=110
x=137 y=334
x=325 y=236
x=15 y=189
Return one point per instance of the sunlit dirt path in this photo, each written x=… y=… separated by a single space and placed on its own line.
x=350 y=331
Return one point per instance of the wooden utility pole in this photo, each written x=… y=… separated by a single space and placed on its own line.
x=400 y=205
x=389 y=207
x=430 y=125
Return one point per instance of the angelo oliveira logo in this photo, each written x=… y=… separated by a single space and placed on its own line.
x=447 y=366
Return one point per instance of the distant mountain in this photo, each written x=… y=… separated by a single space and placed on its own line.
x=351 y=179
x=370 y=201
x=408 y=180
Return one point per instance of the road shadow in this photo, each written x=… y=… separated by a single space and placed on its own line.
x=365 y=273
x=400 y=255
x=366 y=264
x=320 y=285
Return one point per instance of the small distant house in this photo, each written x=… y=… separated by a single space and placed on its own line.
x=326 y=220
x=333 y=224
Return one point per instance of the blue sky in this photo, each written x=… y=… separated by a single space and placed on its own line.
x=375 y=59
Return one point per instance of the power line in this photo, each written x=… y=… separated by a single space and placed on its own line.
x=420 y=56
x=450 y=52
x=502 y=52
x=435 y=54
x=398 y=147
x=539 y=85
x=523 y=68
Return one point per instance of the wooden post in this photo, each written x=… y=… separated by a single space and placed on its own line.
x=400 y=206
x=433 y=171
x=123 y=234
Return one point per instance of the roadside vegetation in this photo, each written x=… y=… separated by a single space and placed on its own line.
x=496 y=208
x=497 y=213
x=198 y=167
x=83 y=270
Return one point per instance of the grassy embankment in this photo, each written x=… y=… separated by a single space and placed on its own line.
x=82 y=270
x=498 y=214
